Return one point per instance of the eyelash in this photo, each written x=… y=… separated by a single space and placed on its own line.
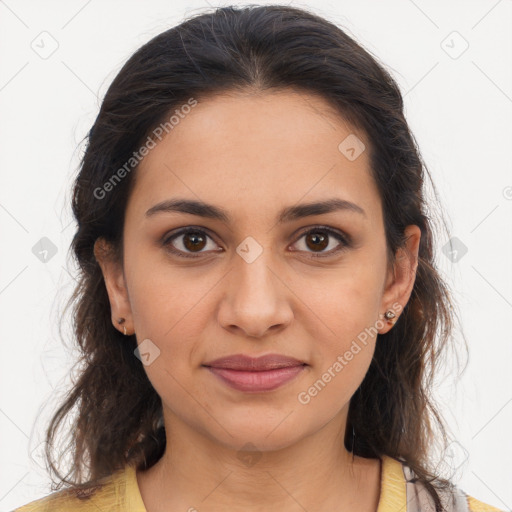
x=343 y=239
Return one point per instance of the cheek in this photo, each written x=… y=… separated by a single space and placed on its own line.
x=341 y=360
x=163 y=300
x=171 y=320
x=348 y=304
x=347 y=324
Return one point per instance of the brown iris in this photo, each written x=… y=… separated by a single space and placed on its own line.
x=194 y=240
x=320 y=241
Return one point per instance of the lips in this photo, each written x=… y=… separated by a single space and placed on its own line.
x=255 y=375
x=246 y=363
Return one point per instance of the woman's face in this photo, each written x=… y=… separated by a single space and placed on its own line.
x=255 y=282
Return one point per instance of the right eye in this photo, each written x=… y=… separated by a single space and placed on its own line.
x=191 y=241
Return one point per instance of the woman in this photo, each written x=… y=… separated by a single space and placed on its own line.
x=258 y=306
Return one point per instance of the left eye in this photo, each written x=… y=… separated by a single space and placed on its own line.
x=192 y=242
x=319 y=238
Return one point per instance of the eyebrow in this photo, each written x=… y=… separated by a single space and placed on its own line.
x=288 y=214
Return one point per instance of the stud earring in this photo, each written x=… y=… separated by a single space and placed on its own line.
x=121 y=321
x=390 y=316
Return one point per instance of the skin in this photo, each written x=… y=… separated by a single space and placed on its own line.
x=254 y=154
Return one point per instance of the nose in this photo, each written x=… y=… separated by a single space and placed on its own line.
x=256 y=299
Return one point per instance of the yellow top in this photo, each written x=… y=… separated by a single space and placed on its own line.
x=120 y=493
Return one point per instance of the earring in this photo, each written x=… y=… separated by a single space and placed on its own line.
x=390 y=316
x=121 y=321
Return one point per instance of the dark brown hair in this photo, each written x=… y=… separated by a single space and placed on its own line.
x=250 y=49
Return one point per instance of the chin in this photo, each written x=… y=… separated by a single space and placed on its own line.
x=262 y=436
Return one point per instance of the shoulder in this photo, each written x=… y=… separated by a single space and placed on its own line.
x=478 y=506
x=401 y=490
x=107 y=494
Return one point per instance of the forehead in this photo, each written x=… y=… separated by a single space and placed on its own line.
x=254 y=153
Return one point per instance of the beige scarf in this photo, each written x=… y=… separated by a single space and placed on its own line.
x=420 y=500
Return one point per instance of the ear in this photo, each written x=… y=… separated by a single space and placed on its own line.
x=400 y=279
x=116 y=285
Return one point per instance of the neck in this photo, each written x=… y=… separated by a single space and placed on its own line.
x=315 y=473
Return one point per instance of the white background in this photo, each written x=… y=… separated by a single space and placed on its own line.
x=458 y=108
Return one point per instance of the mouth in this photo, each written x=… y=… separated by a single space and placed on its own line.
x=265 y=373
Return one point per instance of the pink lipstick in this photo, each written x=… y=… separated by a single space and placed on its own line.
x=249 y=374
